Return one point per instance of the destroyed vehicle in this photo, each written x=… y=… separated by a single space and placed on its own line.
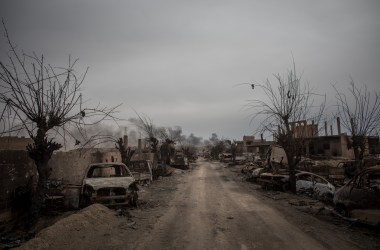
x=306 y=183
x=180 y=161
x=313 y=185
x=240 y=160
x=269 y=180
x=142 y=171
x=225 y=157
x=254 y=174
x=111 y=184
x=360 y=197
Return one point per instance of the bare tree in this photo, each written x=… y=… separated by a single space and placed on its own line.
x=43 y=101
x=216 y=146
x=145 y=124
x=126 y=153
x=233 y=149
x=281 y=107
x=360 y=115
x=189 y=146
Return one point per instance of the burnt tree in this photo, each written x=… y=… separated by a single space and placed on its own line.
x=145 y=125
x=126 y=153
x=360 y=115
x=280 y=107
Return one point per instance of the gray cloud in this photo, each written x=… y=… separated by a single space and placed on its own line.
x=178 y=61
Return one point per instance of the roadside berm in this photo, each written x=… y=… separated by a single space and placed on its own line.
x=75 y=230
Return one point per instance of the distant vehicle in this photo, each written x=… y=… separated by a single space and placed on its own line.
x=240 y=160
x=142 y=171
x=179 y=160
x=360 y=197
x=225 y=157
x=111 y=184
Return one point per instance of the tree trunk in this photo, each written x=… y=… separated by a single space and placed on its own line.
x=292 y=173
x=41 y=152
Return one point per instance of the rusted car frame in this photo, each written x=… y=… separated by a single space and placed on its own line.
x=142 y=171
x=360 y=197
x=111 y=184
x=306 y=182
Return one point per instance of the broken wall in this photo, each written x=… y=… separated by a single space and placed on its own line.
x=330 y=146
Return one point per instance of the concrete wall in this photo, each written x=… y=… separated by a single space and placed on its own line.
x=70 y=166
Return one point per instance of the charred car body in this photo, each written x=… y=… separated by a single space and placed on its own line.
x=141 y=171
x=179 y=161
x=314 y=185
x=360 y=197
x=307 y=183
x=111 y=184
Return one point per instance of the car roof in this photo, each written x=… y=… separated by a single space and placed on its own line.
x=310 y=173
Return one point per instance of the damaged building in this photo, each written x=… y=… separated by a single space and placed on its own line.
x=329 y=145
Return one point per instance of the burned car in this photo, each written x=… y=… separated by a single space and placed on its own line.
x=360 y=197
x=111 y=184
x=254 y=174
x=179 y=161
x=314 y=185
x=306 y=183
x=142 y=171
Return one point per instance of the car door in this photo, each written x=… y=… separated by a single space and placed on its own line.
x=320 y=186
x=304 y=183
x=365 y=192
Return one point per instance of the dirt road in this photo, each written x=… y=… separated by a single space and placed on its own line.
x=210 y=211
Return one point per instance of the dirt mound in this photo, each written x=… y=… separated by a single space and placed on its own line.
x=76 y=230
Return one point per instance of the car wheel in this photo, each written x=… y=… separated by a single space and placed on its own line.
x=134 y=199
x=285 y=187
x=340 y=208
x=84 y=202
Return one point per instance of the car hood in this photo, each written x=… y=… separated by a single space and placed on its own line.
x=97 y=183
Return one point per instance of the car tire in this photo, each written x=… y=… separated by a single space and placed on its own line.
x=341 y=209
x=134 y=199
x=84 y=202
x=285 y=187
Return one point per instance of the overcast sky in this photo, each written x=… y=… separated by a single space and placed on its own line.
x=179 y=62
